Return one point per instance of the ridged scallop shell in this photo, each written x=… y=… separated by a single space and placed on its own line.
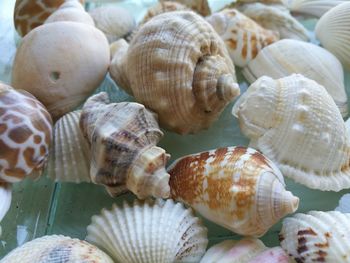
x=333 y=32
x=313 y=7
x=123 y=138
x=344 y=204
x=295 y=123
x=289 y=56
x=149 y=232
x=243 y=37
x=235 y=187
x=246 y=250
x=317 y=237
x=5 y=199
x=200 y=6
x=56 y=249
x=177 y=66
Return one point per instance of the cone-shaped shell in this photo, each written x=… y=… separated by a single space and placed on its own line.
x=56 y=249
x=313 y=7
x=295 y=123
x=150 y=231
x=200 y=6
x=5 y=199
x=317 y=237
x=177 y=66
x=235 y=187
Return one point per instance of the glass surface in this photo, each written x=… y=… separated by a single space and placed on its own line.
x=44 y=207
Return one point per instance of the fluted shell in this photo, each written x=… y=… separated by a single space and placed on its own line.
x=317 y=237
x=333 y=32
x=235 y=187
x=344 y=204
x=5 y=199
x=151 y=231
x=200 y=6
x=289 y=56
x=295 y=123
x=247 y=250
x=56 y=249
x=177 y=66
x=25 y=135
x=313 y=7
x=243 y=37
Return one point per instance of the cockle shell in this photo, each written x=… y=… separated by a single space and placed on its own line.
x=56 y=249
x=25 y=135
x=295 y=123
x=177 y=66
x=5 y=199
x=123 y=138
x=317 y=237
x=313 y=7
x=289 y=56
x=243 y=37
x=200 y=6
x=333 y=32
x=235 y=187
x=151 y=231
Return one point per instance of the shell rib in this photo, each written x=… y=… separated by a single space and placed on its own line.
x=177 y=66
x=313 y=7
x=200 y=6
x=235 y=187
x=289 y=56
x=295 y=123
x=333 y=32
x=56 y=249
x=317 y=237
x=149 y=232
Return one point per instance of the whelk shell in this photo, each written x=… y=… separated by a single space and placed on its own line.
x=200 y=6
x=313 y=7
x=235 y=187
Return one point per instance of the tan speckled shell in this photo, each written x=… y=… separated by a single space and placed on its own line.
x=200 y=6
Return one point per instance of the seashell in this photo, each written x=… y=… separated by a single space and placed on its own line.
x=243 y=37
x=247 y=250
x=333 y=32
x=313 y=7
x=299 y=127
x=123 y=138
x=149 y=231
x=187 y=69
x=289 y=56
x=317 y=237
x=344 y=204
x=200 y=6
x=5 y=197
x=56 y=249
x=25 y=135
x=282 y=3
x=235 y=187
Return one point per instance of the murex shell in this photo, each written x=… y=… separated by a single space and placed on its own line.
x=235 y=187
x=25 y=134
x=243 y=37
x=200 y=6
x=56 y=249
x=123 y=138
x=177 y=66
x=317 y=237
x=149 y=232
x=313 y=7
x=289 y=56
x=295 y=123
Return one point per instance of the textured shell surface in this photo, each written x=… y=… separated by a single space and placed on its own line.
x=177 y=66
x=281 y=3
x=299 y=127
x=25 y=135
x=5 y=199
x=244 y=38
x=333 y=32
x=344 y=204
x=149 y=231
x=57 y=249
x=289 y=56
x=235 y=187
x=200 y=6
x=313 y=7
x=317 y=237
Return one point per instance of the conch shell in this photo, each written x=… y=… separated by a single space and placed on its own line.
x=177 y=66
x=295 y=123
x=313 y=7
x=200 y=6
x=235 y=187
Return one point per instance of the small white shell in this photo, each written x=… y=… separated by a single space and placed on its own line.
x=150 y=231
x=5 y=199
x=344 y=204
x=313 y=7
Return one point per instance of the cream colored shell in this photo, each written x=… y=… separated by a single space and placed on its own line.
x=200 y=6
x=313 y=7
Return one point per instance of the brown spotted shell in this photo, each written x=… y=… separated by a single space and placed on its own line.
x=200 y=6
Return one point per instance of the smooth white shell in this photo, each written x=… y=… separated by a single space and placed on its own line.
x=344 y=204
x=5 y=199
x=313 y=7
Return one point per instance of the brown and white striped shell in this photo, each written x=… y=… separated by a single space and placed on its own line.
x=200 y=6
x=235 y=187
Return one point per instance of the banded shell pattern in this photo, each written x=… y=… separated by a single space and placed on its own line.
x=313 y=7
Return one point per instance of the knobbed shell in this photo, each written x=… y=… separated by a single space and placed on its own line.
x=289 y=56
x=200 y=6
x=149 y=231
x=235 y=187
x=177 y=66
x=295 y=123
x=56 y=249
x=317 y=237
x=313 y=7
x=123 y=138
x=25 y=135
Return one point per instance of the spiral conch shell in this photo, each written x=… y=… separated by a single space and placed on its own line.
x=235 y=187
x=123 y=138
x=295 y=123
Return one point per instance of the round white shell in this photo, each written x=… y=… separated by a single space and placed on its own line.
x=313 y=7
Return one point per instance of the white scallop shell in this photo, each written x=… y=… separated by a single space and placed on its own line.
x=313 y=7
x=149 y=231
x=317 y=237
x=344 y=204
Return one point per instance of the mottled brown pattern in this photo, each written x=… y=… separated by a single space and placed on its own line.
x=245 y=45
x=259 y=159
x=40 y=125
x=43 y=150
x=231 y=43
x=37 y=139
x=15 y=172
x=9 y=154
x=3 y=127
x=15 y=119
x=20 y=134
x=29 y=157
x=308 y=231
x=254 y=45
